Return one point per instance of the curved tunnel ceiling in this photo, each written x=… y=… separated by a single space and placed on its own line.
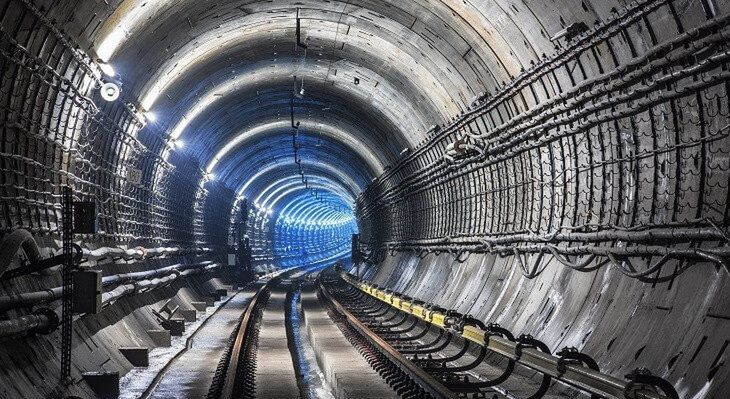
x=256 y=161
x=595 y=140
x=372 y=79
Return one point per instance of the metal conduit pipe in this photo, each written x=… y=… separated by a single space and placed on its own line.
x=150 y=284
x=136 y=276
x=125 y=289
x=12 y=243
x=32 y=298
x=13 y=301
x=138 y=252
x=42 y=321
x=23 y=239
x=45 y=320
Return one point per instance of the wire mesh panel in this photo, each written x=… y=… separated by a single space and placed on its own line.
x=56 y=130
x=581 y=158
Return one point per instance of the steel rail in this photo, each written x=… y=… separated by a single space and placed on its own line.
x=188 y=344
x=230 y=385
x=230 y=382
x=425 y=380
x=570 y=373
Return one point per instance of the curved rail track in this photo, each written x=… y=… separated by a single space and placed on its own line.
x=474 y=359
x=256 y=367
x=368 y=342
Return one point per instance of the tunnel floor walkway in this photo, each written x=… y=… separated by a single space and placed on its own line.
x=190 y=374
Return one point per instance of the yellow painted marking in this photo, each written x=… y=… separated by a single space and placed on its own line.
x=417 y=310
x=438 y=319
x=473 y=334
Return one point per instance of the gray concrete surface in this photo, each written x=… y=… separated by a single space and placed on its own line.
x=190 y=375
x=275 y=374
x=345 y=370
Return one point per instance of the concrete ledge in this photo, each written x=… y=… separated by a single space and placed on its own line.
x=160 y=337
x=138 y=356
x=176 y=327
x=105 y=384
x=188 y=314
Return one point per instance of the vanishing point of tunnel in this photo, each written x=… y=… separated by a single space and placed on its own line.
x=477 y=199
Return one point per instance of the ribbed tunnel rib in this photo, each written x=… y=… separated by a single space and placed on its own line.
x=560 y=168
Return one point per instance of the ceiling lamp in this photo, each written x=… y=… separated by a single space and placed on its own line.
x=109 y=91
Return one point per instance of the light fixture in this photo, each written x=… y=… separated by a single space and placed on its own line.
x=150 y=116
x=109 y=91
x=107 y=69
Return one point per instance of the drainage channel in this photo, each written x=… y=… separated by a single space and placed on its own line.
x=267 y=357
x=312 y=381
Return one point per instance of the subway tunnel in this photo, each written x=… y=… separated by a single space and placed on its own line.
x=364 y=199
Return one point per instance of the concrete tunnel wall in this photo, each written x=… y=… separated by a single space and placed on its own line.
x=478 y=239
x=610 y=317
x=419 y=64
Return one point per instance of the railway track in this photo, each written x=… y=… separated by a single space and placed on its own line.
x=477 y=360
x=365 y=342
x=262 y=362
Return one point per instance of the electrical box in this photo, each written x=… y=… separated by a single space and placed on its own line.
x=84 y=217
x=87 y=291
x=231 y=259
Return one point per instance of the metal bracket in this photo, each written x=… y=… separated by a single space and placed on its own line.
x=642 y=379
x=569 y=355
x=528 y=341
x=43 y=264
x=496 y=329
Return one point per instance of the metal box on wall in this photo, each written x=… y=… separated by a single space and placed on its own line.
x=87 y=291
